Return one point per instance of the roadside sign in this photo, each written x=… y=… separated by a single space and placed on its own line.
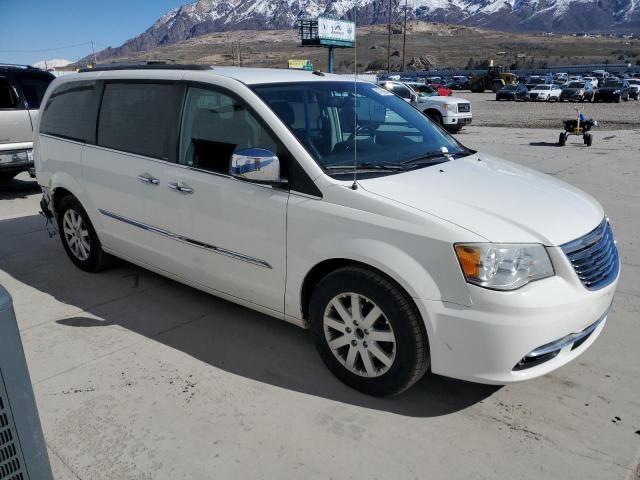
x=334 y=31
x=297 y=64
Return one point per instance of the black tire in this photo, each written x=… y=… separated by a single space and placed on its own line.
x=411 y=359
x=562 y=140
x=7 y=177
x=588 y=139
x=97 y=259
x=453 y=128
x=434 y=116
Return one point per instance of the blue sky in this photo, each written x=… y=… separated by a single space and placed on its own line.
x=48 y=25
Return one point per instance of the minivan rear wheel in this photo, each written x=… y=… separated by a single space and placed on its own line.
x=78 y=236
x=367 y=331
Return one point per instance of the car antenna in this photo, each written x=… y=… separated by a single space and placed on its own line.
x=354 y=186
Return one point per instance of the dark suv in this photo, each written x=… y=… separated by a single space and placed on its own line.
x=21 y=91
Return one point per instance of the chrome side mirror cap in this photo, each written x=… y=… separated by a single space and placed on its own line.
x=256 y=165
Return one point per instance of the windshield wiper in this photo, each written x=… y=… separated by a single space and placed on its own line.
x=430 y=158
x=427 y=158
x=368 y=166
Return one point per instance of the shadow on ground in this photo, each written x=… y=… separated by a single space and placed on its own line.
x=18 y=188
x=224 y=335
x=544 y=144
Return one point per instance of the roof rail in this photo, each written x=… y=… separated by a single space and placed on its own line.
x=146 y=66
x=26 y=67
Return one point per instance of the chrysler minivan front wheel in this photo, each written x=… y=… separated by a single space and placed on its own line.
x=78 y=236
x=367 y=331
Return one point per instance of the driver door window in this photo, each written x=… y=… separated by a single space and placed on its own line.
x=214 y=126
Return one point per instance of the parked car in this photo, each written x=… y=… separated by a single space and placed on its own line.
x=545 y=93
x=634 y=88
x=536 y=80
x=422 y=89
x=612 y=90
x=442 y=89
x=452 y=113
x=593 y=80
x=21 y=91
x=462 y=81
x=513 y=92
x=577 y=91
x=244 y=183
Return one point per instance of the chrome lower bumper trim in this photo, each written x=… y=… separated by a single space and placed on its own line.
x=568 y=340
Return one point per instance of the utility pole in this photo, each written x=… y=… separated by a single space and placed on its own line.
x=389 y=39
x=404 y=36
x=94 y=54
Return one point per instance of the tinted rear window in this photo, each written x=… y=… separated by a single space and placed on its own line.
x=33 y=86
x=69 y=112
x=138 y=118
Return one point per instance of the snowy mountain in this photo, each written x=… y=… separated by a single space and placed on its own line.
x=206 y=16
x=53 y=63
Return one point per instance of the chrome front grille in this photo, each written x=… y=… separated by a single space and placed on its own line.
x=594 y=257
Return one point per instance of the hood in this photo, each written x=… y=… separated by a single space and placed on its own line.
x=443 y=99
x=609 y=89
x=496 y=199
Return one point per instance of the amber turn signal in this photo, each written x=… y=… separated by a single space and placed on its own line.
x=469 y=258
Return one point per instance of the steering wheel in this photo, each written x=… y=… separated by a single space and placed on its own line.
x=359 y=131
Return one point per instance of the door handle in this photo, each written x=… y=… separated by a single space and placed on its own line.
x=146 y=178
x=180 y=188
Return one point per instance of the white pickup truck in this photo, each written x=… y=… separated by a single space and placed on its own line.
x=452 y=113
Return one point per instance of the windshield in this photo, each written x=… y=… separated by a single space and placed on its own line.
x=334 y=119
x=613 y=83
x=576 y=85
x=510 y=87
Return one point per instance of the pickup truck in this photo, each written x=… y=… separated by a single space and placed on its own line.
x=21 y=91
x=451 y=113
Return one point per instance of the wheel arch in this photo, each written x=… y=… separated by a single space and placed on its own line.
x=432 y=112
x=325 y=267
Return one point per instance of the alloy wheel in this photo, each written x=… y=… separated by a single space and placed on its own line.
x=359 y=335
x=76 y=234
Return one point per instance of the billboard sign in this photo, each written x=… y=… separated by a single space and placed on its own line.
x=333 y=31
x=296 y=64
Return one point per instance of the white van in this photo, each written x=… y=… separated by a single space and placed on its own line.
x=331 y=204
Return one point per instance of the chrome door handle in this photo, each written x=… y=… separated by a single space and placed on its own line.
x=179 y=188
x=146 y=178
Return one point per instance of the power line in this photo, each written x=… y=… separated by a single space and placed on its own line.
x=47 y=49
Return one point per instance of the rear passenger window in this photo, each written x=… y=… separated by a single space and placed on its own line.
x=8 y=98
x=138 y=118
x=33 y=86
x=69 y=111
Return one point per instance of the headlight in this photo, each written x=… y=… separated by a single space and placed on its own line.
x=616 y=92
x=503 y=266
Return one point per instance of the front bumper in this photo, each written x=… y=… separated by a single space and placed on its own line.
x=15 y=161
x=572 y=96
x=488 y=341
x=538 y=97
x=459 y=119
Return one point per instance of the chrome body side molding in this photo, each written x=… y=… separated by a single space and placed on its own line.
x=189 y=241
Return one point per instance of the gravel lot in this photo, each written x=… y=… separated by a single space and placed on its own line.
x=489 y=113
x=138 y=377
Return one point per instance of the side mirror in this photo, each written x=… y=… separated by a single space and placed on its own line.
x=256 y=165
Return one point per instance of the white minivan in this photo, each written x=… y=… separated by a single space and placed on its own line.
x=332 y=204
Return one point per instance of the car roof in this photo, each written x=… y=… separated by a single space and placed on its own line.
x=249 y=76
x=5 y=67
